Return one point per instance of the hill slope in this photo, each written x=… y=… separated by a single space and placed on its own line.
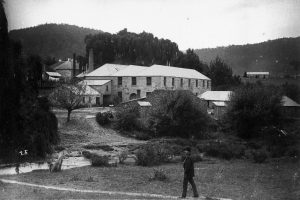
x=274 y=56
x=56 y=40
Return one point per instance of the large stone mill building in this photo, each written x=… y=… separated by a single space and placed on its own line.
x=129 y=82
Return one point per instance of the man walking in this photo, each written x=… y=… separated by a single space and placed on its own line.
x=188 y=166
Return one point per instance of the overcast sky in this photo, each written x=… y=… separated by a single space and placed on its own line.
x=189 y=23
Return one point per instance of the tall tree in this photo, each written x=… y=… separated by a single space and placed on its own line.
x=221 y=75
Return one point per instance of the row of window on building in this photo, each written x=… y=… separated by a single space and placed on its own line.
x=149 y=82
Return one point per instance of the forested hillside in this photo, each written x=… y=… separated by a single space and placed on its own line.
x=54 y=40
x=140 y=49
x=279 y=57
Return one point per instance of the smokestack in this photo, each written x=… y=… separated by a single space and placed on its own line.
x=74 y=66
x=91 y=60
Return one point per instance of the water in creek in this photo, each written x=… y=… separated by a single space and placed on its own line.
x=68 y=163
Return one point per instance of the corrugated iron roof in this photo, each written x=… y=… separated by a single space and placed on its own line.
x=95 y=82
x=257 y=73
x=215 y=95
x=144 y=103
x=161 y=70
x=154 y=70
x=54 y=74
x=131 y=70
x=107 y=70
x=219 y=103
x=288 y=102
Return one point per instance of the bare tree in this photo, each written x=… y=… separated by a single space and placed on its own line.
x=68 y=96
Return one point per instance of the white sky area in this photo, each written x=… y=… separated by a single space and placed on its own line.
x=189 y=23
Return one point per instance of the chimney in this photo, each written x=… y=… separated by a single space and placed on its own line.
x=91 y=60
x=74 y=66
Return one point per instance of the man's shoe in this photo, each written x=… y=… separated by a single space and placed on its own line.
x=196 y=196
x=181 y=197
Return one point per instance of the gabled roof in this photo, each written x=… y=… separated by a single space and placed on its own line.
x=215 y=95
x=53 y=74
x=161 y=70
x=131 y=70
x=94 y=82
x=287 y=102
x=65 y=65
x=107 y=70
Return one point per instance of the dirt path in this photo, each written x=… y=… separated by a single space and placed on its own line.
x=130 y=194
x=83 y=130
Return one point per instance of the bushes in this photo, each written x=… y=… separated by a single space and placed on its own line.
x=127 y=118
x=225 y=150
x=104 y=118
x=100 y=161
x=178 y=114
x=97 y=160
x=252 y=107
x=153 y=154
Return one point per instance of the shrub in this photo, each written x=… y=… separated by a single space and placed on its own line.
x=260 y=156
x=141 y=135
x=127 y=118
x=178 y=114
x=159 y=175
x=153 y=154
x=100 y=161
x=123 y=156
x=87 y=154
x=252 y=107
x=226 y=150
x=147 y=156
x=104 y=118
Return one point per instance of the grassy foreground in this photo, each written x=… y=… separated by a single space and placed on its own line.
x=227 y=179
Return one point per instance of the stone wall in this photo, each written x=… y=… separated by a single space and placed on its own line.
x=128 y=89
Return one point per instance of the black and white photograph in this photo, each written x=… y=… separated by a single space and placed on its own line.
x=150 y=99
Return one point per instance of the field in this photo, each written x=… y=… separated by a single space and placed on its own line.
x=235 y=179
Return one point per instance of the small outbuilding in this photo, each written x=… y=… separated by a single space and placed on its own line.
x=290 y=108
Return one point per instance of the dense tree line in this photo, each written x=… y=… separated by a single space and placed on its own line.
x=25 y=120
x=139 y=49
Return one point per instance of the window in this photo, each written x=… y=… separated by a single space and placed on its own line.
x=107 y=88
x=208 y=83
x=149 y=81
x=83 y=99
x=196 y=83
x=147 y=94
x=189 y=82
x=133 y=80
x=165 y=81
x=90 y=99
x=173 y=81
x=138 y=93
x=119 y=80
x=120 y=95
x=203 y=84
x=181 y=82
